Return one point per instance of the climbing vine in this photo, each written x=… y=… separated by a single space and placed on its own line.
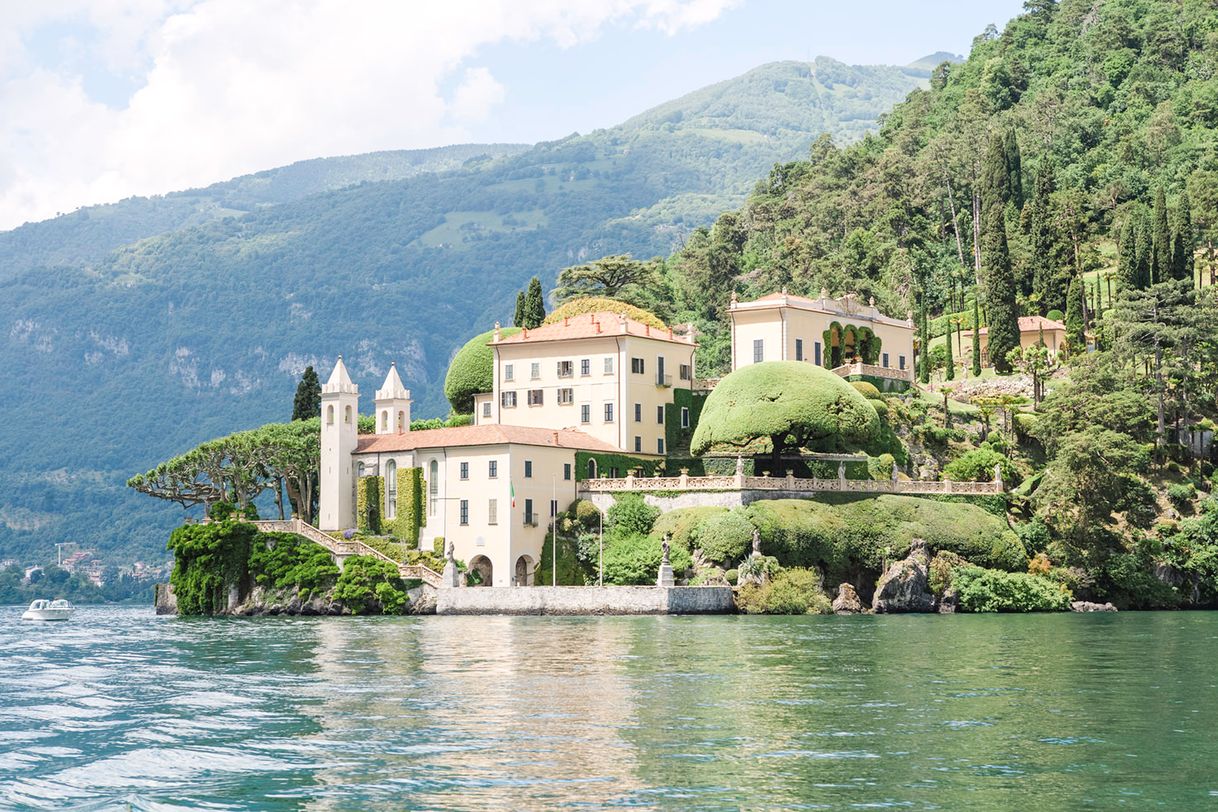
x=408 y=516
x=209 y=559
x=368 y=503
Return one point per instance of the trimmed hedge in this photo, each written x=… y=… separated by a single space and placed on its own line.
x=603 y=304
x=682 y=523
x=472 y=370
x=723 y=537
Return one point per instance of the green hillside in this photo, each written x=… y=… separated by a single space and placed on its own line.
x=134 y=331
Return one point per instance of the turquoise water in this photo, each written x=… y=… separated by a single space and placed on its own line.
x=120 y=707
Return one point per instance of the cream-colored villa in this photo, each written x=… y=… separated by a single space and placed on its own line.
x=828 y=332
x=1032 y=329
x=568 y=400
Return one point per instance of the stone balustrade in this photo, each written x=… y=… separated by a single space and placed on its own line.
x=342 y=548
x=632 y=484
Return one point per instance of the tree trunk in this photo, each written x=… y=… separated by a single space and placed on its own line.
x=951 y=199
x=776 y=444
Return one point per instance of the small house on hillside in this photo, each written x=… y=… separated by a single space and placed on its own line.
x=1032 y=329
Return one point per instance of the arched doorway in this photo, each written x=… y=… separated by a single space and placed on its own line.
x=482 y=565
x=391 y=489
x=524 y=571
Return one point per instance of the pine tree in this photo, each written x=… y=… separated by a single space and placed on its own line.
x=999 y=286
x=518 y=319
x=1076 y=327
x=534 y=312
x=307 y=402
x=1160 y=240
x=976 y=334
x=1014 y=165
x=1183 y=241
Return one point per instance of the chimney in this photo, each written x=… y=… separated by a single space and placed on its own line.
x=555 y=438
x=670 y=333
x=621 y=324
x=598 y=325
x=498 y=334
x=566 y=321
x=647 y=329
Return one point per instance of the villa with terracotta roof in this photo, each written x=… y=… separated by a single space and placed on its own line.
x=843 y=334
x=1032 y=329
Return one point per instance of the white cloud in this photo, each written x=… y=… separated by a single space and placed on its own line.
x=228 y=86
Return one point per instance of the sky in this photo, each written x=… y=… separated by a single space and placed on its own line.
x=104 y=99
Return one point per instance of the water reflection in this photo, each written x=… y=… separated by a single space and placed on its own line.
x=714 y=713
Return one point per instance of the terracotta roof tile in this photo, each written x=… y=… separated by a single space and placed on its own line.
x=1030 y=324
x=592 y=325
x=492 y=434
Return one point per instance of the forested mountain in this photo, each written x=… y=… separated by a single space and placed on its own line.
x=133 y=331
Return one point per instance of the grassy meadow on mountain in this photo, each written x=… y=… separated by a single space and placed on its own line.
x=133 y=331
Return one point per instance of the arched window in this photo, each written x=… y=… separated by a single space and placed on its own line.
x=433 y=486
x=330 y=414
x=401 y=422
x=591 y=469
x=359 y=470
x=385 y=421
x=346 y=414
x=391 y=489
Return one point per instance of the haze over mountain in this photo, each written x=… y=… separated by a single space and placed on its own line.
x=134 y=330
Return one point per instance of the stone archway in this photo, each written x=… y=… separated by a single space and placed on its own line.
x=523 y=575
x=482 y=565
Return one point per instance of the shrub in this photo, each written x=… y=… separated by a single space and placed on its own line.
x=880 y=406
x=942 y=567
x=723 y=537
x=681 y=524
x=984 y=590
x=630 y=515
x=1040 y=565
x=1034 y=535
x=790 y=592
x=602 y=304
x=472 y=371
x=978 y=464
x=880 y=467
x=368 y=584
x=732 y=577
x=1181 y=495
x=208 y=559
x=586 y=513
x=635 y=559
x=284 y=561
x=1054 y=315
x=867 y=390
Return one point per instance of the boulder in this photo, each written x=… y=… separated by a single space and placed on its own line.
x=1088 y=606
x=949 y=602
x=905 y=585
x=847 y=601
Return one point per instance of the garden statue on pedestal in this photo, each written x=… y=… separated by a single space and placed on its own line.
x=665 y=577
x=450 y=576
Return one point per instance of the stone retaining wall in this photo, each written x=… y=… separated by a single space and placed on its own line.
x=585 y=600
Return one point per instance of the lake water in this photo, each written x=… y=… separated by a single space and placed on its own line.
x=119 y=708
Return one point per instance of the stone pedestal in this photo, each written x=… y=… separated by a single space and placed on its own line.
x=666 y=577
x=450 y=576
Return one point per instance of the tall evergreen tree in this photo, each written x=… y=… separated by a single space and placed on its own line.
x=1142 y=249
x=307 y=402
x=1183 y=241
x=1048 y=251
x=976 y=334
x=1014 y=165
x=999 y=287
x=995 y=179
x=1127 y=253
x=1160 y=240
x=949 y=369
x=518 y=319
x=1076 y=325
x=534 y=312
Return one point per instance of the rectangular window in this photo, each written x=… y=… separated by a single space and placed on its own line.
x=529 y=518
x=507 y=400
x=535 y=370
x=492 y=469
x=816 y=352
x=566 y=397
x=585 y=413
x=585 y=366
x=609 y=365
x=465 y=470
x=683 y=371
x=492 y=511
x=464 y=511
x=660 y=445
x=608 y=412
x=486 y=409
x=799 y=349
x=553 y=508
x=758 y=350
x=636 y=366
x=684 y=417
x=638 y=445
x=901 y=361
x=507 y=372
x=566 y=369
x=885 y=360
x=528 y=469
x=566 y=471
x=536 y=397
x=660 y=415
x=638 y=413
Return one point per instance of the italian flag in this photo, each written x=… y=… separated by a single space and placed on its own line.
x=512 y=489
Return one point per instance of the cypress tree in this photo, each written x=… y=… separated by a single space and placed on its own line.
x=995 y=179
x=976 y=334
x=1127 y=253
x=534 y=312
x=307 y=402
x=1001 y=309
x=1160 y=240
x=1142 y=250
x=1076 y=328
x=949 y=370
x=518 y=319
x=1014 y=165
x=1047 y=247
x=1183 y=241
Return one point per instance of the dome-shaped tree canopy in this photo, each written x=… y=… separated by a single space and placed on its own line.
x=602 y=304
x=472 y=370
x=790 y=402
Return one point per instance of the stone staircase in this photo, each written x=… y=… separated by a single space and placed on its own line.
x=346 y=547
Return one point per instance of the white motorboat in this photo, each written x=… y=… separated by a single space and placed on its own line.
x=48 y=610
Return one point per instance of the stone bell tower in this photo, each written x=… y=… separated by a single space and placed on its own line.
x=339 y=430
x=392 y=405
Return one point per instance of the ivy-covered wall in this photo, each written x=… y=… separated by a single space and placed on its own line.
x=368 y=503
x=605 y=462
x=408 y=516
x=676 y=439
